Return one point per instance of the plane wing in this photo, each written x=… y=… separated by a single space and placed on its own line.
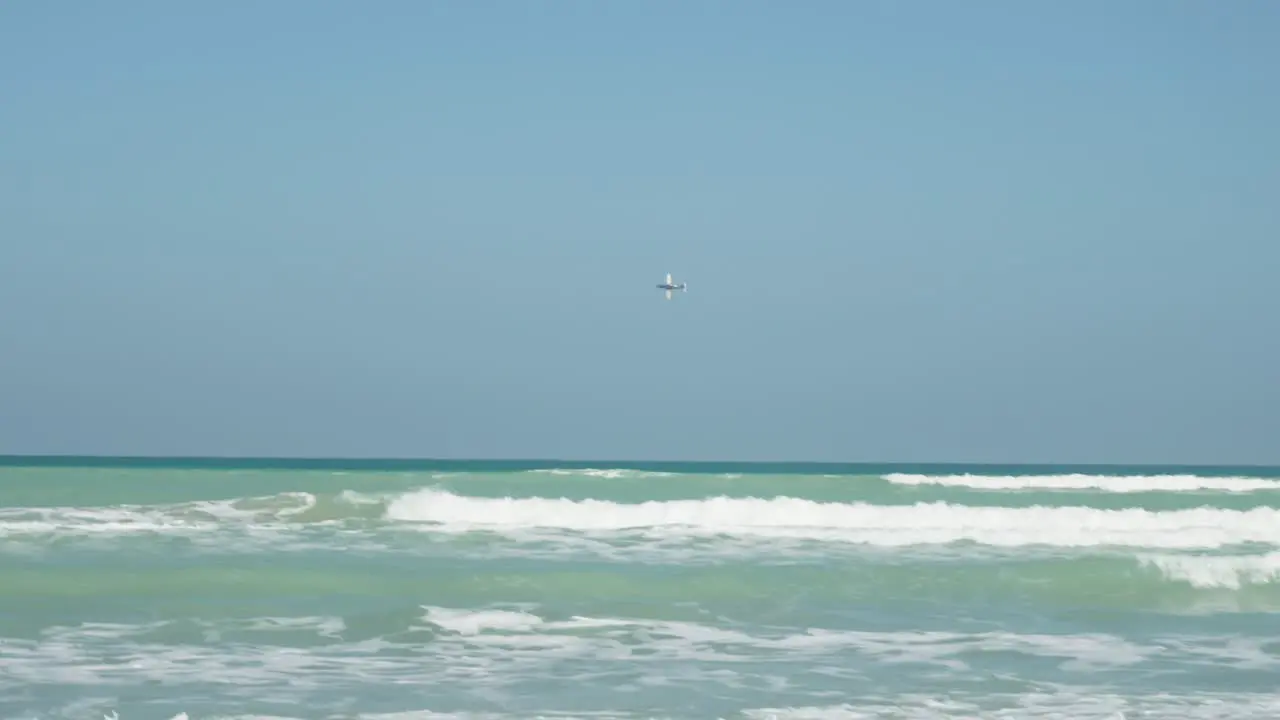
x=668 y=292
x=668 y=278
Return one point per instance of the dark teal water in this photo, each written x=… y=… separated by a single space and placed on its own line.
x=152 y=588
x=683 y=467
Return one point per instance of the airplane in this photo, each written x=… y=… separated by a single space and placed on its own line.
x=669 y=286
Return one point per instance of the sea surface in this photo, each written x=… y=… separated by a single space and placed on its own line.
x=196 y=589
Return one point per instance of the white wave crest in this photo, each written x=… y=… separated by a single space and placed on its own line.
x=120 y=519
x=783 y=517
x=493 y=650
x=473 y=622
x=248 y=524
x=1108 y=483
x=1076 y=703
x=602 y=473
x=1231 y=572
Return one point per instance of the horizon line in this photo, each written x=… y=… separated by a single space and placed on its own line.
x=600 y=462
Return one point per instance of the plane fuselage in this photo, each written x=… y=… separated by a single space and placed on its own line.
x=670 y=285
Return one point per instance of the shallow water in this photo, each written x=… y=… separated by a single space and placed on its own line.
x=698 y=591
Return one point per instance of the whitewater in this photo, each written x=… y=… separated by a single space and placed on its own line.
x=468 y=589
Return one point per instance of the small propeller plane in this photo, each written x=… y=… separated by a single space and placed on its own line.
x=669 y=286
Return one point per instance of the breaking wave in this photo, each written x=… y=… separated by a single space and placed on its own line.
x=1107 y=483
x=935 y=523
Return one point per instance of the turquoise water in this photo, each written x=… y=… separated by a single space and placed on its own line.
x=288 y=589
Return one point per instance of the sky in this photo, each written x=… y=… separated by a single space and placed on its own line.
x=913 y=231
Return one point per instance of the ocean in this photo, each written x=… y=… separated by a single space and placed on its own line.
x=196 y=589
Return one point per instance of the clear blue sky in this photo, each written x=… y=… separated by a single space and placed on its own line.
x=987 y=231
